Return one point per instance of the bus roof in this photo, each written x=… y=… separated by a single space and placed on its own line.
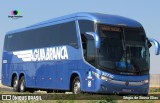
x=97 y=17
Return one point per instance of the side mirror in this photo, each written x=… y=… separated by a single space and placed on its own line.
x=149 y=43
x=95 y=37
x=157 y=45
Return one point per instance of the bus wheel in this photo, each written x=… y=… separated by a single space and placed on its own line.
x=22 y=86
x=49 y=91
x=31 y=90
x=76 y=86
x=59 y=91
x=15 y=84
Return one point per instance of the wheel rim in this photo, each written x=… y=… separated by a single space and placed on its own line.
x=15 y=84
x=22 y=86
x=77 y=87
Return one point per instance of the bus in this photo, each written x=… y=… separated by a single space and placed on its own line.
x=80 y=52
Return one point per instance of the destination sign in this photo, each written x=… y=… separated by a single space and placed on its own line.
x=110 y=28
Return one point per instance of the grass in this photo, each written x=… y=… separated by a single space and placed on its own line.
x=152 y=90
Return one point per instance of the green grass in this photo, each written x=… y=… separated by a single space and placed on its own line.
x=151 y=90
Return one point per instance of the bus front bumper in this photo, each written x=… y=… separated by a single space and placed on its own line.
x=108 y=87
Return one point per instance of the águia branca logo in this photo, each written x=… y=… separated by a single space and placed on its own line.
x=43 y=54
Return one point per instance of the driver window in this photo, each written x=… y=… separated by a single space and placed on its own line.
x=91 y=52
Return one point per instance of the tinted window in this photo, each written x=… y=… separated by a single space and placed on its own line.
x=91 y=52
x=135 y=35
x=88 y=45
x=55 y=35
x=86 y=26
x=5 y=43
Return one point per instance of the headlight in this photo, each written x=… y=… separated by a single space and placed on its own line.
x=101 y=76
x=105 y=78
x=96 y=74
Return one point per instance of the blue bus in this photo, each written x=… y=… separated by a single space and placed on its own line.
x=80 y=52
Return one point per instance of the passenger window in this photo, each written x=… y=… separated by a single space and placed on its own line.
x=54 y=35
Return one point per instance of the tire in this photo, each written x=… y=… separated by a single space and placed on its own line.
x=49 y=91
x=15 y=85
x=145 y=94
x=22 y=87
x=59 y=91
x=76 y=86
x=31 y=90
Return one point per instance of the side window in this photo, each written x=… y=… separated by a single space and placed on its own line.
x=84 y=45
x=6 y=43
x=86 y=26
x=91 y=52
x=68 y=34
x=87 y=44
x=55 y=35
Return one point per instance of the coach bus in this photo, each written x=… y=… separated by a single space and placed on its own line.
x=80 y=52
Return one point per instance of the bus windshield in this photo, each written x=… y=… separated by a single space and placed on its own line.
x=123 y=50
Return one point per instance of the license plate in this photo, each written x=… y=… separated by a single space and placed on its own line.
x=126 y=90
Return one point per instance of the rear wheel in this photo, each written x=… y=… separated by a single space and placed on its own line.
x=15 y=84
x=76 y=86
x=22 y=86
x=49 y=91
x=31 y=90
x=59 y=91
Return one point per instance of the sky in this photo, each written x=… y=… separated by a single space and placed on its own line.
x=147 y=12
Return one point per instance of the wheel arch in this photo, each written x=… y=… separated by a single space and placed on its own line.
x=21 y=75
x=13 y=75
x=72 y=76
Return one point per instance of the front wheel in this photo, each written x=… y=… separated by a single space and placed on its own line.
x=15 y=84
x=76 y=86
x=22 y=86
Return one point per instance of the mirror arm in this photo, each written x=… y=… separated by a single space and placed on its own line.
x=96 y=38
